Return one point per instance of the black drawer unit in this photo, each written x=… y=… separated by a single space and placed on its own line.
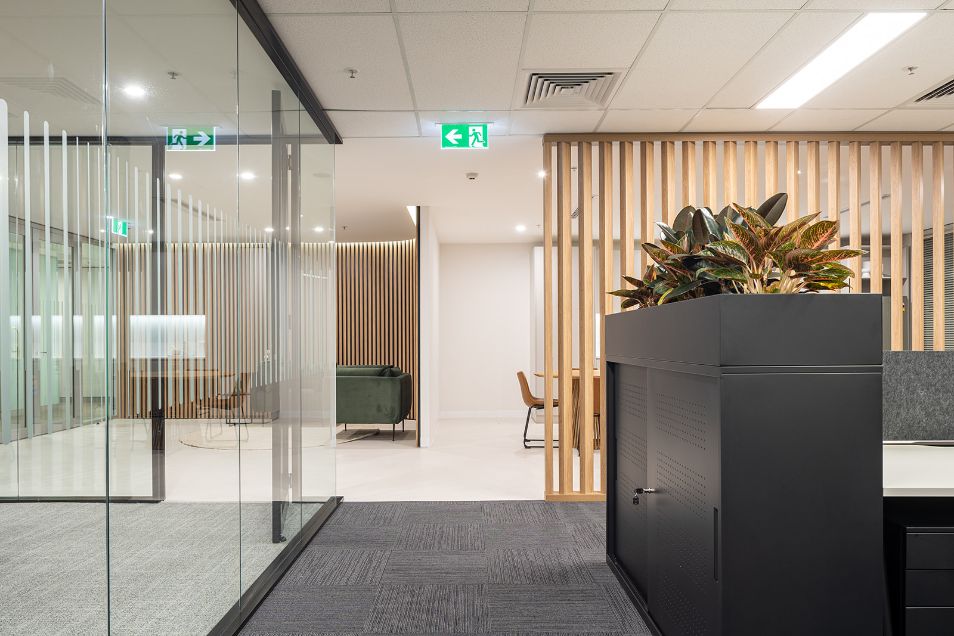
x=919 y=562
x=744 y=467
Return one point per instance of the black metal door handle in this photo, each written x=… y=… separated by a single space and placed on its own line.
x=641 y=491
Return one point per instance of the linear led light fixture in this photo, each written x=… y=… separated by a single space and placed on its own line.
x=870 y=34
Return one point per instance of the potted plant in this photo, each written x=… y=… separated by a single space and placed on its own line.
x=744 y=430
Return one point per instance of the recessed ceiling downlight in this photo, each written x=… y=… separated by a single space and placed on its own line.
x=134 y=91
x=861 y=41
x=521 y=228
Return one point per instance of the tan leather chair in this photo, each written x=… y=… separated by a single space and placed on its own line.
x=532 y=402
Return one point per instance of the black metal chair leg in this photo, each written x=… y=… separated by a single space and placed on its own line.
x=393 y=429
x=526 y=426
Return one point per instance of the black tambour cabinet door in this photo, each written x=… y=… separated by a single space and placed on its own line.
x=684 y=468
x=632 y=550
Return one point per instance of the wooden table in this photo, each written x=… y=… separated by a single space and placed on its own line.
x=577 y=416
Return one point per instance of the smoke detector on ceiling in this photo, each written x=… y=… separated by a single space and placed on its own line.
x=578 y=89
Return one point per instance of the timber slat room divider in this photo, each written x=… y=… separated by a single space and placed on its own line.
x=641 y=179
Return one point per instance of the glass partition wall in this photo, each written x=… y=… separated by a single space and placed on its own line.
x=167 y=378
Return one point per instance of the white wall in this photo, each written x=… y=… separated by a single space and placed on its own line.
x=429 y=289
x=486 y=328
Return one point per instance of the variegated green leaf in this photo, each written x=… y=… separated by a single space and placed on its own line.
x=818 y=235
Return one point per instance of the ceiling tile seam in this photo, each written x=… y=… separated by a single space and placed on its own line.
x=749 y=61
x=649 y=38
x=519 y=69
x=407 y=67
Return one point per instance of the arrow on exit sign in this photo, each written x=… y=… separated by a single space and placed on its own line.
x=464 y=136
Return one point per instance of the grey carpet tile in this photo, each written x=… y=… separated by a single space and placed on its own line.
x=442 y=536
x=573 y=609
x=431 y=609
x=368 y=515
x=525 y=536
x=332 y=609
x=588 y=536
x=447 y=512
x=359 y=537
x=435 y=568
x=538 y=566
x=329 y=566
x=518 y=512
x=626 y=612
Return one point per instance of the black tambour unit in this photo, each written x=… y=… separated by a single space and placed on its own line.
x=744 y=488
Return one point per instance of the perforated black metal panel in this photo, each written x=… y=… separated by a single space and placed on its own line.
x=683 y=411
x=631 y=448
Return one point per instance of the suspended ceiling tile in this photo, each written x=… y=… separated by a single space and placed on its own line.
x=735 y=120
x=461 y=5
x=538 y=122
x=326 y=46
x=826 y=119
x=599 y=5
x=620 y=37
x=498 y=120
x=882 y=81
x=684 y=65
x=325 y=6
x=873 y=5
x=795 y=45
x=735 y=5
x=375 y=124
x=914 y=119
x=462 y=60
x=671 y=120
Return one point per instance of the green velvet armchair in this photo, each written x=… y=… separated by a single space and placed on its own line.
x=373 y=394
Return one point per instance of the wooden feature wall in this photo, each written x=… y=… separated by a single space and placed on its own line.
x=378 y=306
x=884 y=188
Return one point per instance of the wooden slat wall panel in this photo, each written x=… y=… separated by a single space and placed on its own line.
x=548 y=318
x=627 y=206
x=377 y=290
x=875 y=252
x=752 y=174
x=897 y=264
x=606 y=277
x=714 y=176
x=937 y=244
x=565 y=308
x=667 y=194
x=917 y=247
x=854 y=210
x=585 y=270
x=730 y=173
x=689 y=173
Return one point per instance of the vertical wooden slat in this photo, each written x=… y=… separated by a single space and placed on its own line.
x=627 y=211
x=791 y=181
x=834 y=185
x=564 y=316
x=606 y=275
x=813 y=180
x=730 y=172
x=688 y=173
x=667 y=194
x=771 y=168
x=875 y=250
x=937 y=244
x=854 y=211
x=585 y=270
x=548 y=319
x=709 y=187
x=917 y=247
x=897 y=247
x=647 y=208
x=752 y=174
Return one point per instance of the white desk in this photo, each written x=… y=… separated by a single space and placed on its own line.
x=918 y=471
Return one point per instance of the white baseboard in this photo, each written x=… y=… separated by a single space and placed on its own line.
x=480 y=415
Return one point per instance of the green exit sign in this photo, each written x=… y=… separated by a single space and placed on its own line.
x=190 y=138
x=463 y=135
x=120 y=227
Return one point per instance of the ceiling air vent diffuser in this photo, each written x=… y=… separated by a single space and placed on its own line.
x=56 y=86
x=569 y=90
x=944 y=90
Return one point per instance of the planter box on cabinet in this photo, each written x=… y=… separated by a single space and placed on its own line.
x=752 y=424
